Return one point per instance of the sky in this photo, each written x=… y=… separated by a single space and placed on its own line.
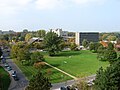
x=70 y=15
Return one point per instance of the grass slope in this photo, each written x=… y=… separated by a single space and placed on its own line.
x=5 y=79
x=54 y=75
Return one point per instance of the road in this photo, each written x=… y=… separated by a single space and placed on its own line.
x=57 y=86
x=22 y=82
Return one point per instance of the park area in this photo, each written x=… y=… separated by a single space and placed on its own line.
x=77 y=63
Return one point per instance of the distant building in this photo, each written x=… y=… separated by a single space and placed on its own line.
x=61 y=33
x=35 y=39
x=7 y=32
x=0 y=31
x=89 y=36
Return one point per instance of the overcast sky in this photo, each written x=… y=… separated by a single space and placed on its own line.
x=70 y=15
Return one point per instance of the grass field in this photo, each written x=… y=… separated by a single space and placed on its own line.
x=5 y=79
x=77 y=63
x=54 y=75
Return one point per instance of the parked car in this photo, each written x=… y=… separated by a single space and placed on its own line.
x=63 y=88
x=9 y=68
x=6 y=65
x=14 y=74
x=16 y=78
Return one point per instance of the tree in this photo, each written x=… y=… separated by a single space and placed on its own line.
x=106 y=55
x=52 y=43
x=85 y=43
x=91 y=46
x=41 y=33
x=1 y=52
x=112 y=38
x=38 y=45
x=23 y=54
x=100 y=53
x=36 y=57
x=14 y=51
x=80 y=85
x=110 y=55
x=110 y=46
x=20 y=51
x=104 y=36
x=25 y=31
x=73 y=46
x=108 y=79
x=28 y=37
x=39 y=82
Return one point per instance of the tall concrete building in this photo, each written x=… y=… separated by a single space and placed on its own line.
x=89 y=36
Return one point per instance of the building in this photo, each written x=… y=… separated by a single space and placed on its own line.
x=61 y=33
x=89 y=36
x=35 y=39
x=7 y=32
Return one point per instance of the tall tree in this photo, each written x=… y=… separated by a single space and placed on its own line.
x=85 y=43
x=91 y=46
x=23 y=54
x=100 y=53
x=110 y=55
x=110 y=46
x=36 y=57
x=14 y=51
x=73 y=46
x=28 y=37
x=1 y=52
x=41 y=33
x=39 y=82
x=108 y=79
x=53 y=43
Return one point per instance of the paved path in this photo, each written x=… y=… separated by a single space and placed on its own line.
x=62 y=71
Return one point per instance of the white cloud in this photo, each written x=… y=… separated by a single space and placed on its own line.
x=48 y=4
x=88 y=1
x=51 y=4
x=10 y=6
x=13 y=6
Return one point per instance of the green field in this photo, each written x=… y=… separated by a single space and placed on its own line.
x=5 y=79
x=77 y=63
x=54 y=75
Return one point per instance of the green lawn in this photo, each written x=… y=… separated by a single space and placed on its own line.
x=5 y=79
x=54 y=75
x=78 y=63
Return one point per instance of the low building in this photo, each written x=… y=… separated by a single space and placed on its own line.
x=7 y=32
x=35 y=39
x=89 y=36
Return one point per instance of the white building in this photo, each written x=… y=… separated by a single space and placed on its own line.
x=61 y=33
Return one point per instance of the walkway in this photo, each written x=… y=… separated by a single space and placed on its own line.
x=62 y=71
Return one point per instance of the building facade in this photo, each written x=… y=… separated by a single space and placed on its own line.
x=61 y=33
x=89 y=36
